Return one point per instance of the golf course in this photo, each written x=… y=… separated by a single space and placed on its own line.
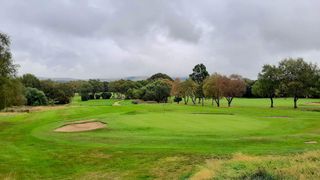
x=248 y=140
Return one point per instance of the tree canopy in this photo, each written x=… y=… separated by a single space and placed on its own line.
x=30 y=80
x=297 y=77
x=158 y=76
x=268 y=82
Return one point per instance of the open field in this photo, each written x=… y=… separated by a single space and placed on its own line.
x=164 y=141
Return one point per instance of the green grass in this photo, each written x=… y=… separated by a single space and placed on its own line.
x=167 y=141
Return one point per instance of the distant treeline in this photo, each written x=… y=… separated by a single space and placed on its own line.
x=290 y=78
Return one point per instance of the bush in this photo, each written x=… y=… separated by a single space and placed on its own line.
x=177 y=99
x=84 y=97
x=135 y=102
x=35 y=97
x=61 y=97
x=91 y=96
x=98 y=96
x=106 y=95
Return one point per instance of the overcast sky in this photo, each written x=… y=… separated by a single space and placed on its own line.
x=119 y=38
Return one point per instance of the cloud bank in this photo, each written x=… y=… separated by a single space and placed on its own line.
x=112 y=39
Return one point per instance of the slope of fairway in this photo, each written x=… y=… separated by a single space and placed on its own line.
x=147 y=140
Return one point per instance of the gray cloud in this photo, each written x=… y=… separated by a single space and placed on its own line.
x=107 y=39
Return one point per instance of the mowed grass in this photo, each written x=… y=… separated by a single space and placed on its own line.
x=164 y=141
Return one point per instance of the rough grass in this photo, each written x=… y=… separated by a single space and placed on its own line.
x=164 y=141
x=242 y=166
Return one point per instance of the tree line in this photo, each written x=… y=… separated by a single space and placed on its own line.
x=289 y=78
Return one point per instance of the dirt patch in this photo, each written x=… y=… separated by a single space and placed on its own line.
x=313 y=103
x=46 y=108
x=8 y=113
x=27 y=109
x=311 y=142
x=80 y=126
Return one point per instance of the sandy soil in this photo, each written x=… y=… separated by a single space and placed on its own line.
x=81 y=126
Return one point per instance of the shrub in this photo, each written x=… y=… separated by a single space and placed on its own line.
x=98 y=96
x=177 y=99
x=135 y=102
x=35 y=97
x=61 y=97
x=106 y=95
x=84 y=97
x=91 y=96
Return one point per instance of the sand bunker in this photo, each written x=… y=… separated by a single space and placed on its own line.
x=313 y=103
x=311 y=142
x=81 y=126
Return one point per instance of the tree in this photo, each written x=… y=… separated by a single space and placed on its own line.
x=157 y=91
x=30 y=80
x=267 y=83
x=176 y=89
x=11 y=90
x=106 y=95
x=7 y=68
x=235 y=87
x=97 y=86
x=121 y=87
x=214 y=87
x=159 y=76
x=35 y=97
x=249 y=86
x=85 y=89
x=57 y=93
x=188 y=90
x=198 y=75
x=177 y=100
x=297 y=77
x=105 y=86
x=76 y=85
x=315 y=91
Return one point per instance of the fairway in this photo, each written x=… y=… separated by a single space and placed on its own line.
x=148 y=141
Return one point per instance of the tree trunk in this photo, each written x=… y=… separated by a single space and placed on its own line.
x=295 y=102
x=229 y=99
x=193 y=99
x=202 y=101
x=217 y=102
x=199 y=101
x=271 y=101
